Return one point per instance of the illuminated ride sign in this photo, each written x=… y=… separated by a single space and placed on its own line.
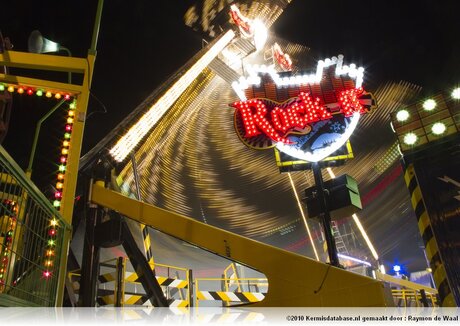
x=308 y=117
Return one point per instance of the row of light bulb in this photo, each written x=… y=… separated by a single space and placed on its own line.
x=437 y=128
x=351 y=70
x=32 y=91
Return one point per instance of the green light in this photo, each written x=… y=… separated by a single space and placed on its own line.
x=2 y=87
x=72 y=105
x=429 y=105
x=51 y=242
x=402 y=115
x=39 y=92
x=410 y=138
x=61 y=168
x=56 y=203
x=67 y=135
x=438 y=128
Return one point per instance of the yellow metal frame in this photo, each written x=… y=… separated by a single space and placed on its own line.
x=46 y=62
x=347 y=156
x=294 y=280
x=229 y=279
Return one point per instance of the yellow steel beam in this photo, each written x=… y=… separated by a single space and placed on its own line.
x=294 y=280
x=73 y=158
x=43 y=62
x=405 y=283
x=52 y=86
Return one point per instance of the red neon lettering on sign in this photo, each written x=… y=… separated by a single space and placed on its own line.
x=279 y=122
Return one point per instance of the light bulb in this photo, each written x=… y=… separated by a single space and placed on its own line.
x=456 y=93
x=429 y=104
x=438 y=128
x=410 y=138
x=402 y=115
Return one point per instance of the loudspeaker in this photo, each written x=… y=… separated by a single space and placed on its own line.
x=342 y=197
x=38 y=44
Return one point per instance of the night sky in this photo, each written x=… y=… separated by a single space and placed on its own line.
x=142 y=42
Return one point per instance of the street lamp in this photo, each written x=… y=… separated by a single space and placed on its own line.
x=39 y=44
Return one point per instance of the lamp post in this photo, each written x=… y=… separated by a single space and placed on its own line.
x=325 y=216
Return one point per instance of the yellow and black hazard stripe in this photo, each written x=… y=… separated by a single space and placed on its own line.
x=230 y=296
x=138 y=300
x=172 y=282
x=147 y=245
x=431 y=246
x=129 y=299
x=178 y=303
x=133 y=278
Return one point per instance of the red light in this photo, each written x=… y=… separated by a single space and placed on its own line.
x=30 y=92
x=68 y=128
x=67 y=97
x=278 y=121
x=63 y=159
x=46 y=274
x=58 y=194
x=52 y=232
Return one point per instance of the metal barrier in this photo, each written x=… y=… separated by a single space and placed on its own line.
x=229 y=298
x=409 y=294
x=235 y=290
x=413 y=298
x=32 y=238
x=120 y=288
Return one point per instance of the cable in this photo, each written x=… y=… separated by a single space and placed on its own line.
x=100 y=102
x=324 y=279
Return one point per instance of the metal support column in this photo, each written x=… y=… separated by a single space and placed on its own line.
x=142 y=268
x=90 y=260
x=190 y=287
x=120 y=282
x=325 y=215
